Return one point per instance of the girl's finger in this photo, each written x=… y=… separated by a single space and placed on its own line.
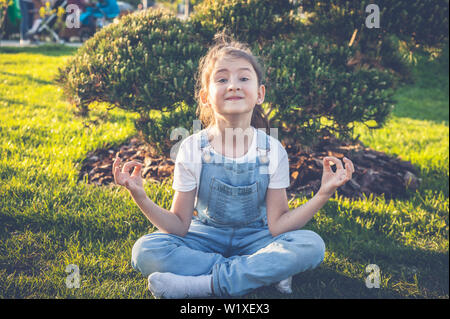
x=126 y=168
x=349 y=163
x=344 y=177
x=137 y=170
x=349 y=172
x=326 y=165
x=334 y=160
x=115 y=164
x=116 y=172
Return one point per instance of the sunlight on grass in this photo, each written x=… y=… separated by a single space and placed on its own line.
x=424 y=143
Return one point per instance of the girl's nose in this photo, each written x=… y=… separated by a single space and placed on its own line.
x=233 y=88
x=234 y=85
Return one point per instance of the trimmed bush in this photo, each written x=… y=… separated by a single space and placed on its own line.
x=143 y=63
x=415 y=23
x=423 y=21
x=309 y=78
x=146 y=63
x=248 y=21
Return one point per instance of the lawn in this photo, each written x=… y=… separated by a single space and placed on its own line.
x=49 y=220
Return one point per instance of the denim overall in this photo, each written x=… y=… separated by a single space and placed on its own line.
x=233 y=194
x=228 y=237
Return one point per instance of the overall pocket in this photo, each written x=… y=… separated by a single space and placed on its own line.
x=232 y=205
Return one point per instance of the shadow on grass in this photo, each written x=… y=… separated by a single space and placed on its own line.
x=429 y=90
x=422 y=273
x=407 y=271
x=17 y=102
x=27 y=77
x=426 y=272
x=435 y=181
x=326 y=283
x=54 y=50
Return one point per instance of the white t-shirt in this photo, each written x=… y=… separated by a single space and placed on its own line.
x=188 y=164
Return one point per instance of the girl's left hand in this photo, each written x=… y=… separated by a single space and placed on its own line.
x=132 y=181
x=332 y=180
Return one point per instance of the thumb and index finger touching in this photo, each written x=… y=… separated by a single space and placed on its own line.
x=129 y=165
x=331 y=160
x=126 y=167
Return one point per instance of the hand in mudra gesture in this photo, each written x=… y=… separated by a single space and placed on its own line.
x=131 y=181
x=332 y=180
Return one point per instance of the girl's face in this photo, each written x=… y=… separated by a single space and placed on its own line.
x=233 y=88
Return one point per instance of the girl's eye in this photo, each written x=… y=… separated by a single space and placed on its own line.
x=225 y=80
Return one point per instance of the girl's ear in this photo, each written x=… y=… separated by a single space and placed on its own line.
x=261 y=94
x=204 y=97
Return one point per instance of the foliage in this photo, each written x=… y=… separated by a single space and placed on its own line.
x=425 y=21
x=147 y=62
x=248 y=21
x=309 y=78
x=413 y=23
x=143 y=63
x=4 y=4
x=135 y=3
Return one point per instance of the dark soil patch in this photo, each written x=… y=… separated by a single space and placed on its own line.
x=375 y=172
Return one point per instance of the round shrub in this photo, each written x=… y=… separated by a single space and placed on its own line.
x=424 y=21
x=247 y=20
x=146 y=64
x=143 y=63
x=309 y=79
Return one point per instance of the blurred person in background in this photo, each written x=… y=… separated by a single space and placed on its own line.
x=26 y=10
x=36 y=16
x=102 y=9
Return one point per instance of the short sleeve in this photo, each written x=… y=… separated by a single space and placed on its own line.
x=279 y=177
x=184 y=172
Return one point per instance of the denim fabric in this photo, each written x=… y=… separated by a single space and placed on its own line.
x=228 y=237
x=230 y=193
x=27 y=18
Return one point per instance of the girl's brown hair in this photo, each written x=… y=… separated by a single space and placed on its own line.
x=226 y=46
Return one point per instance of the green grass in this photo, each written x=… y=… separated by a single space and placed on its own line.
x=49 y=220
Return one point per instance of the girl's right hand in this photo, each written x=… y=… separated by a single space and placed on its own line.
x=133 y=182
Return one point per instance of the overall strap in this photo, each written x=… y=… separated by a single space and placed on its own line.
x=204 y=139
x=205 y=147
x=262 y=146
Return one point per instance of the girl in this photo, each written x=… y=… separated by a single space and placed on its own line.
x=230 y=229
